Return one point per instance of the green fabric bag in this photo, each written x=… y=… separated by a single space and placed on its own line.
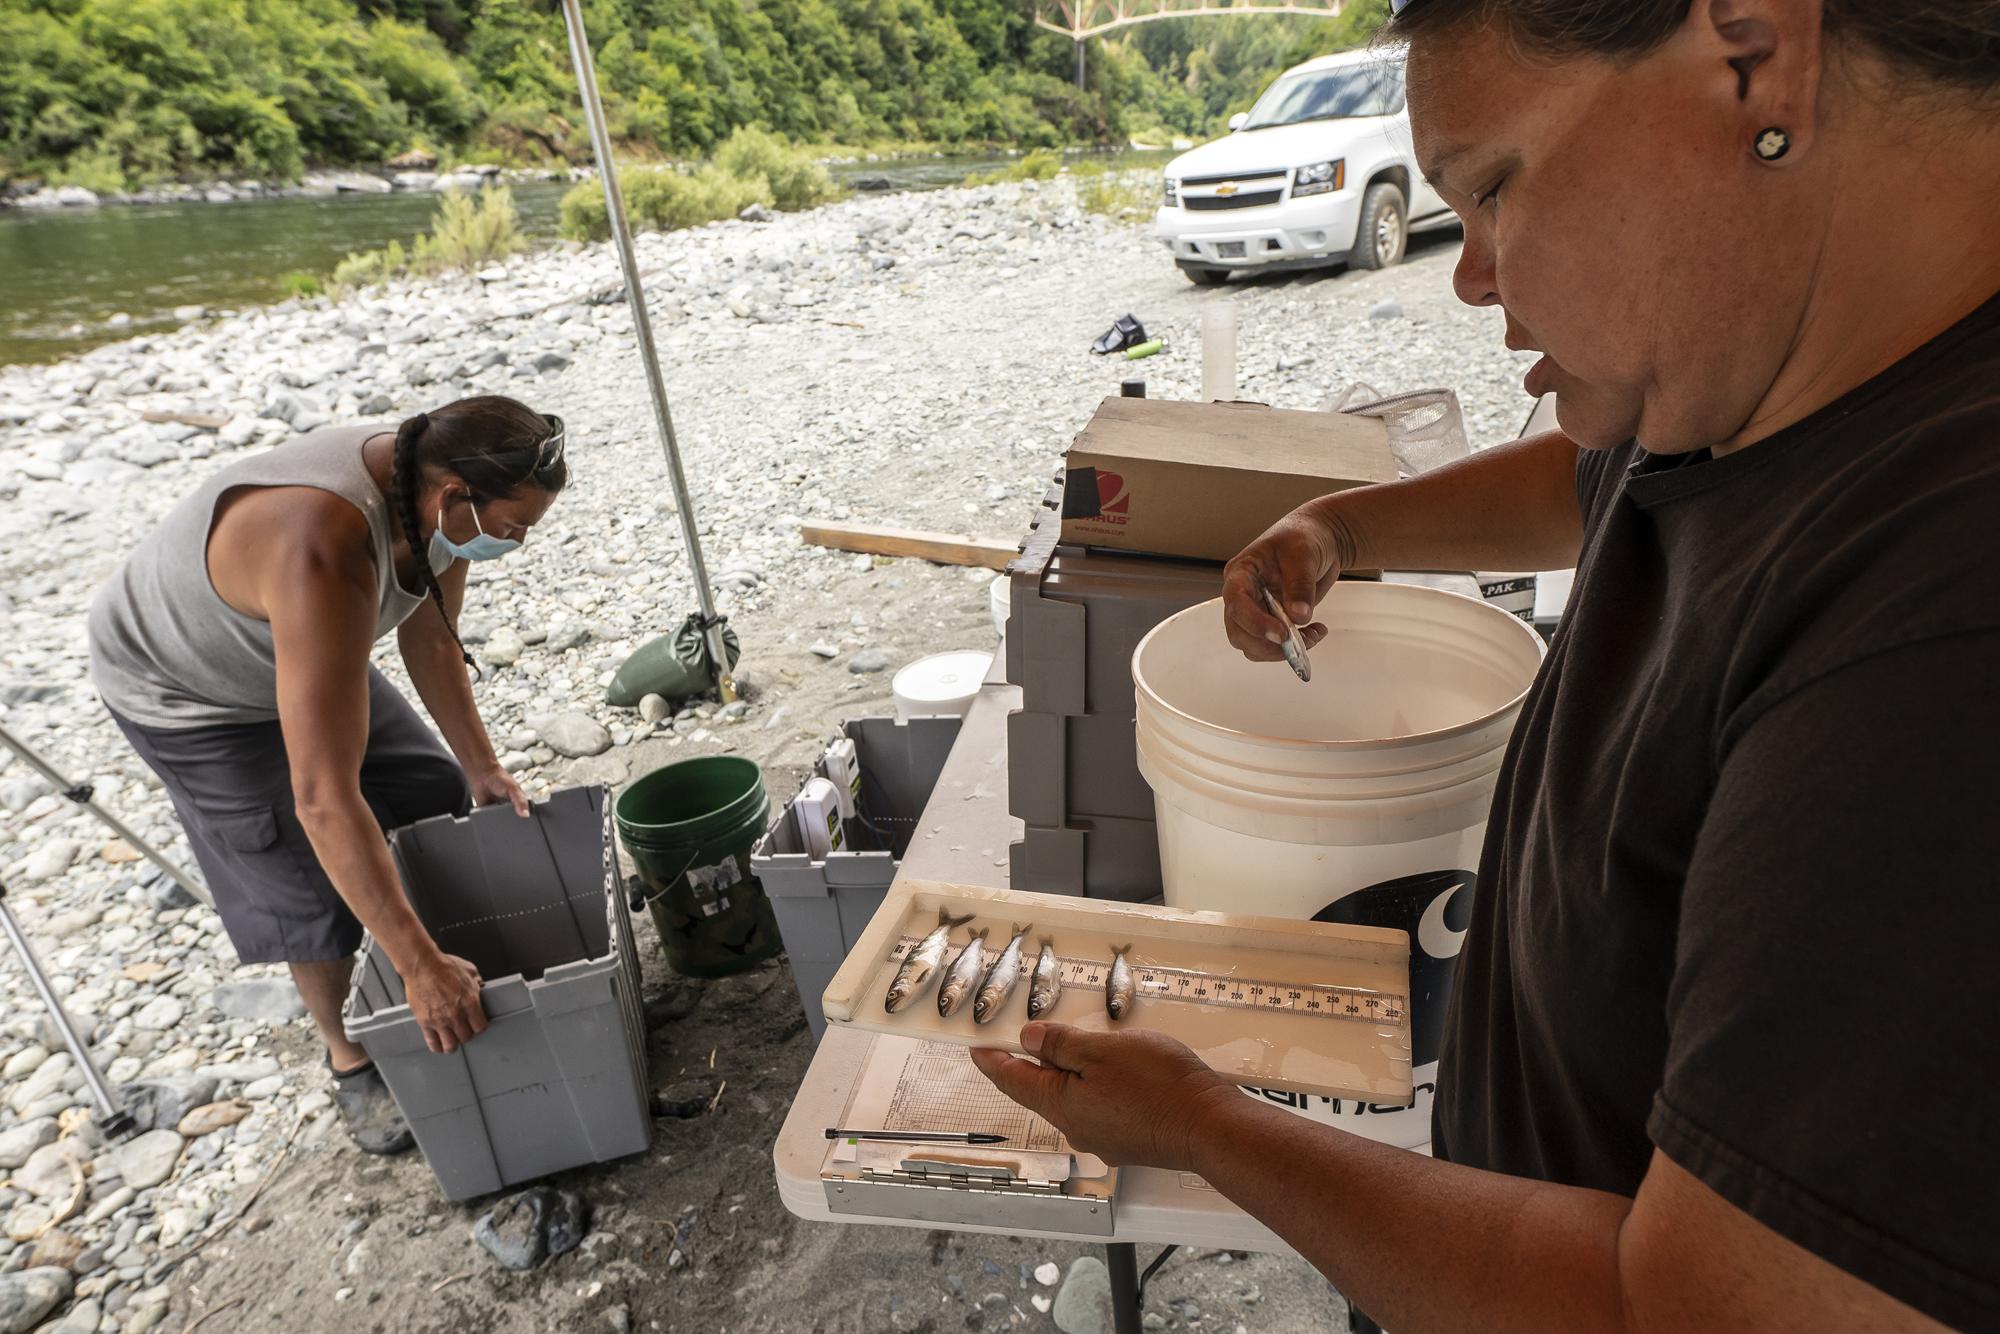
x=675 y=665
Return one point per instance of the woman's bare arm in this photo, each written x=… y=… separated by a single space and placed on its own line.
x=1511 y=507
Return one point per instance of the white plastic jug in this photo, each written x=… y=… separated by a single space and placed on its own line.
x=1360 y=796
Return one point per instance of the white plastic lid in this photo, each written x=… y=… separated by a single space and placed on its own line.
x=941 y=683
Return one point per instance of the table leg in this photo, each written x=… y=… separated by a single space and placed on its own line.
x=1122 y=1259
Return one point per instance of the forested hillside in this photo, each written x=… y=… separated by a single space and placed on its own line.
x=118 y=93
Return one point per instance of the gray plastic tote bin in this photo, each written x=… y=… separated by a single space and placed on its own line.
x=822 y=906
x=558 y=1079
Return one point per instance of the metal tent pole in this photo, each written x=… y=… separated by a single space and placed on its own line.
x=642 y=328
x=81 y=794
x=112 y=1119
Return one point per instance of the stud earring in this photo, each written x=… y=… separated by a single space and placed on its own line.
x=1772 y=144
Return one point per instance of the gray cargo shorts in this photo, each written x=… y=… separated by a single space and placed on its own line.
x=231 y=785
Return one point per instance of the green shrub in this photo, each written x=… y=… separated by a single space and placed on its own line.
x=1118 y=194
x=796 y=180
x=1040 y=165
x=466 y=234
x=370 y=267
x=583 y=214
x=94 y=169
x=663 y=199
x=300 y=284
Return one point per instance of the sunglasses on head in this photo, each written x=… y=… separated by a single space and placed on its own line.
x=551 y=451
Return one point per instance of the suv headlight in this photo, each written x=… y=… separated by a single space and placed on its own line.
x=1319 y=178
x=1173 y=195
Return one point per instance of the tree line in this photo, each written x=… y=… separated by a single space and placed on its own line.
x=114 y=94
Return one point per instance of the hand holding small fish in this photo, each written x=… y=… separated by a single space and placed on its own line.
x=1294 y=563
x=1132 y=1098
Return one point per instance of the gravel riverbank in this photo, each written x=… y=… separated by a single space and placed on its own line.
x=912 y=359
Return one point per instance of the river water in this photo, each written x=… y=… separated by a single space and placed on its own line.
x=65 y=273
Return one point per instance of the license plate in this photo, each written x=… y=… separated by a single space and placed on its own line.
x=1229 y=250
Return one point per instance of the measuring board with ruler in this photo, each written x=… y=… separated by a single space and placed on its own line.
x=1198 y=988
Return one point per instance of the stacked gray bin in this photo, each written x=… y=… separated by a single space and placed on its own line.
x=1075 y=615
x=558 y=1079
x=823 y=905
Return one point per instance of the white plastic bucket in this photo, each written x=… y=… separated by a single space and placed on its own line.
x=1360 y=796
x=942 y=684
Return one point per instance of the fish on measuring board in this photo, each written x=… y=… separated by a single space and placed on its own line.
x=1046 y=984
x=963 y=975
x=922 y=964
x=1001 y=978
x=1118 y=989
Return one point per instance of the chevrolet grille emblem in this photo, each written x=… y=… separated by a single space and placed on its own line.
x=1226 y=189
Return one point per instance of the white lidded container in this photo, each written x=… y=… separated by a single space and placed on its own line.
x=999 y=600
x=940 y=685
x=1360 y=796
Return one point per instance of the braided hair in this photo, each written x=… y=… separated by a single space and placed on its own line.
x=493 y=444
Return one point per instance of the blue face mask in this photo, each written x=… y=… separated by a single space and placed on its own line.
x=481 y=547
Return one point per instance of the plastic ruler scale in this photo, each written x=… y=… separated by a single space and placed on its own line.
x=1212 y=989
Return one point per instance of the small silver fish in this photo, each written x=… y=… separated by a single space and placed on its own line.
x=1118 y=990
x=1001 y=979
x=963 y=975
x=922 y=963
x=1047 y=982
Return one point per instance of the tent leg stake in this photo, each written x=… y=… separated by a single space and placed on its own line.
x=642 y=330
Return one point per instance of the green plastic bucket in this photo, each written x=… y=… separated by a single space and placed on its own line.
x=689 y=828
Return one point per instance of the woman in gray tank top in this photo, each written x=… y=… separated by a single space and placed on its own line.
x=232 y=648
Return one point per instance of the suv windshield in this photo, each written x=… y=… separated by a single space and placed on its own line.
x=1371 y=89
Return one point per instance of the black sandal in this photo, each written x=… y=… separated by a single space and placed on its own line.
x=369 y=1111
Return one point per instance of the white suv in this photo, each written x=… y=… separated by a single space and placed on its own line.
x=1319 y=171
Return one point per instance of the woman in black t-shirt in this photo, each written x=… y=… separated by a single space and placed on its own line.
x=1721 y=1052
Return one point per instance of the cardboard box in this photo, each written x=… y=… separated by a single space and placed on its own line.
x=1203 y=480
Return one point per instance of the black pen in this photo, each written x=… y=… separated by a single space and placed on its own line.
x=920 y=1136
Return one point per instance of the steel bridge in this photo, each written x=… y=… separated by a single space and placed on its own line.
x=1080 y=20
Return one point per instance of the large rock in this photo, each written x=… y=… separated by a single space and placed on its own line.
x=49 y=860
x=53 y=1171
x=287 y=407
x=162 y=1103
x=17 y=1144
x=344 y=182
x=270 y=1000
x=1084 y=1304
x=17 y=793
x=57 y=1249
x=49 y=1078
x=161 y=1013
x=245 y=1071
x=26 y=1298
x=83 y=1318
x=575 y=734
x=538 y=1224
x=147 y=1160
x=63 y=196
x=207 y=1120
x=23 y=1063
x=503 y=647
x=89 y=473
